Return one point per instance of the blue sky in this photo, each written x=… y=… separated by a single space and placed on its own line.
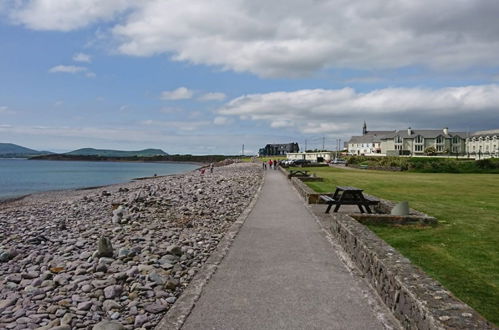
x=207 y=77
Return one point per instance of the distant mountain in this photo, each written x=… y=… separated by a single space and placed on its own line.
x=10 y=150
x=116 y=153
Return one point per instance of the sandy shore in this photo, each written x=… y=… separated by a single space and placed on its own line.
x=58 y=271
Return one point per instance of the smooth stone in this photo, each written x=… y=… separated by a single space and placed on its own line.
x=66 y=319
x=140 y=320
x=112 y=291
x=156 y=278
x=172 y=284
x=62 y=327
x=108 y=325
x=104 y=247
x=155 y=308
x=174 y=249
x=109 y=305
x=84 y=306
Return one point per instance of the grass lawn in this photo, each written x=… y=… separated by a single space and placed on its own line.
x=462 y=251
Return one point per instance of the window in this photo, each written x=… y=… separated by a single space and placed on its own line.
x=419 y=139
x=440 y=139
x=418 y=147
x=440 y=148
x=398 y=147
x=398 y=139
x=456 y=139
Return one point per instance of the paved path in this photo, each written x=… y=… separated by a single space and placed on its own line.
x=282 y=273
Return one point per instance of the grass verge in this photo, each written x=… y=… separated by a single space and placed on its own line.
x=462 y=252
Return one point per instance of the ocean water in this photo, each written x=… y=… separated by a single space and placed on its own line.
x=21 y=176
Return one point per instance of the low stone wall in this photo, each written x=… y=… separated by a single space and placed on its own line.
x=305 y=191
x=417 y=300
x=311 y=178
x=366 y=218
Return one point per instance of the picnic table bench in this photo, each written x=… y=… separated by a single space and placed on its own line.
x=293 y=173
x=347 y=195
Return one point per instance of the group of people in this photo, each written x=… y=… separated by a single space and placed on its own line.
x=271 y=164
x=203 y=169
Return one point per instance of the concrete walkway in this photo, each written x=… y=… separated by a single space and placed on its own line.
x=282 y=273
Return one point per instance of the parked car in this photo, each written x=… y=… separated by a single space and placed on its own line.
x=300 y=162
x=339 y=161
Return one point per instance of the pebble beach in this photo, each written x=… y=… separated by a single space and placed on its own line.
x=117 y=256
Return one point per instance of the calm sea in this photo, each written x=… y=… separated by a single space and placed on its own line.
x=21 y=176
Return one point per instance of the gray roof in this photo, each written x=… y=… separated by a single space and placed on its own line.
x=486 y=133
x=425 y=133
x=370 y=137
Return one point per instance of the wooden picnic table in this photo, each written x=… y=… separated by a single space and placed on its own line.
x=347 y=195
x=293 y=173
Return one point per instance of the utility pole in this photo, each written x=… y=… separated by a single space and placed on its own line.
x=305 y=145
x=323 y=142
x=242 y=151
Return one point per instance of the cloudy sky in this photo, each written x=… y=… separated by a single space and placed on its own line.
x=206 y=77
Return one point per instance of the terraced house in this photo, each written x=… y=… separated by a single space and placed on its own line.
x=483 y=143
x=419 y=142
x=408 y=142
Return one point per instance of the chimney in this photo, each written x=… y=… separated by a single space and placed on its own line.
x=409 y=131
x=446 y=131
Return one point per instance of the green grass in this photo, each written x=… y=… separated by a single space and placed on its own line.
x=462 y=251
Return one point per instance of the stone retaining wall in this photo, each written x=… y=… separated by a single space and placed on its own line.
x=416 y=299
x=366 y=218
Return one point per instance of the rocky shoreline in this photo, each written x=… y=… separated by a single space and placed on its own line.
x=115 y=257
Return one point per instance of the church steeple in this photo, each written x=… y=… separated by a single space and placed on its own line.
x=364 y=128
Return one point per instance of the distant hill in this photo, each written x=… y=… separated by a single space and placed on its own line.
x=10 y=150
x=116 y=153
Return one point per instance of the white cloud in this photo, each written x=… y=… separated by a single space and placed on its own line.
x=72 y=69
x=287 y=38
x=81 y=57
x=212 y=97
x=67 y=69
x=181 y=93
x=219 y=120
x=3 y=109
x=321 y=111
x=296 y=38
x=65 y=15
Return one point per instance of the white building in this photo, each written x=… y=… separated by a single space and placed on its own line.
x=369 y=143
x=316 y=157
x=484 y=143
